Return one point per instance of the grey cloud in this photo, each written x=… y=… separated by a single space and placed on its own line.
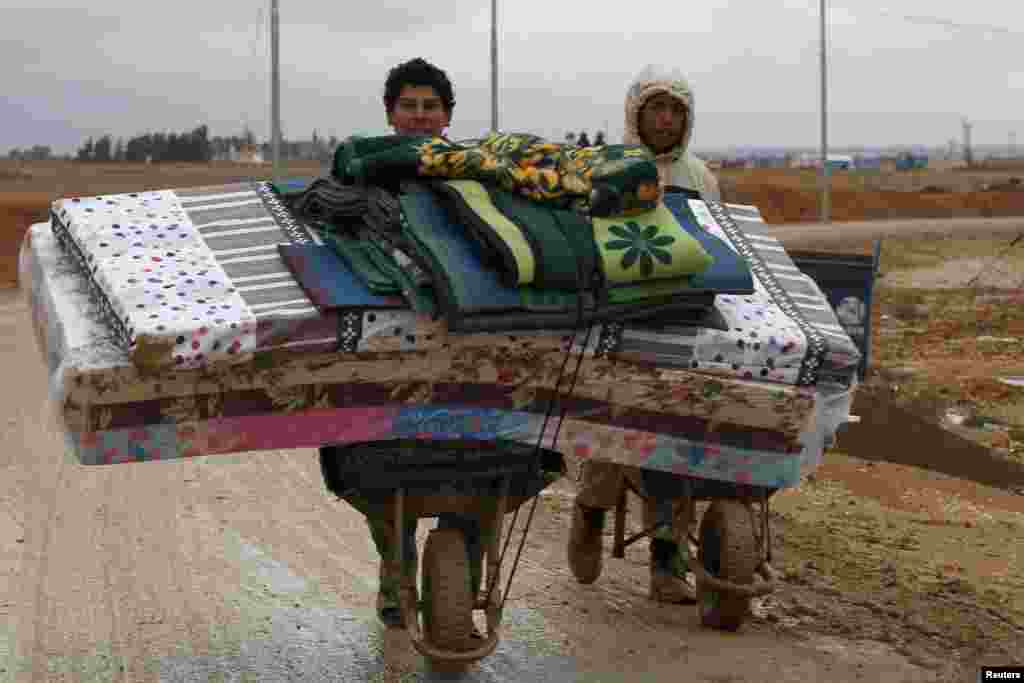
x=123 y=68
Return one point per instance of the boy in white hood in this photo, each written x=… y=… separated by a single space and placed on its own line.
x=659 y=115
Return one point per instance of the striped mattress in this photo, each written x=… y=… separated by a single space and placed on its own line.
x=189 y=277
x=197 y=270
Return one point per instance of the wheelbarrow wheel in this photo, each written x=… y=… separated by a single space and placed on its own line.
x=447 y=598
x=728 y=550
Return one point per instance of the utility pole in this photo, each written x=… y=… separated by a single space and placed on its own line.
x=968 y=154
x=275 y=91
x=494 y=66
x=825 y=171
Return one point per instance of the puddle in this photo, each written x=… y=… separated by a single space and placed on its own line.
x=349 y=645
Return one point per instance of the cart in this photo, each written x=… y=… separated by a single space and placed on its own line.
x=483 y=481
x=733 y=561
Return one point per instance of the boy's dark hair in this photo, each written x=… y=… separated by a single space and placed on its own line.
x=418 y=72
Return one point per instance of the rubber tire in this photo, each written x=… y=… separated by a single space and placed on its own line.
x=727 y=550
x=447 y=598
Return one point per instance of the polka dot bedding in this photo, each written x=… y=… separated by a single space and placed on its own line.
x=159 y=281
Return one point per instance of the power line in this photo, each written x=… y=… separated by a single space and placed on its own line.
x=948 y=23
x=940 y=22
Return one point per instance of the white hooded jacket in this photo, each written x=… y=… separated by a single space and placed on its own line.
x=678 y=166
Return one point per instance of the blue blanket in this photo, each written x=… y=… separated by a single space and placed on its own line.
x=329 y=282
x=729 y=273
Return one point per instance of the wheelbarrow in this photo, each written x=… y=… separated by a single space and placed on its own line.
x=477 y=480
x=733 y=561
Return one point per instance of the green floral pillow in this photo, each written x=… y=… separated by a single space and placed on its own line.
x=647 y=246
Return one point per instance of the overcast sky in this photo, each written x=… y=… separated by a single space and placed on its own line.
x=73 y=70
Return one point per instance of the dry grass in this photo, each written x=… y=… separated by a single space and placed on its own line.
x=69 y=178
x=918 y=180
x=903 y=556
x=974 y=258
x=943 y=342
x=791 y=195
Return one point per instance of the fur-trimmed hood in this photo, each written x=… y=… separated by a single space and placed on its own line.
x=653 y=81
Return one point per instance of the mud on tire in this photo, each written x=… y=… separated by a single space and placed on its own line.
x=447 y=597
x=728 y=550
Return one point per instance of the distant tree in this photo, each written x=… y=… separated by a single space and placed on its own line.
x=85 y=151
x=599 y=138
x=583 y=140
x=220 y=147
x=570 y=138
x=202 y=151
x=195 y=146
x=102 y=150
x=136 y=148
x=37 y=153
x=160 y=147
x=15 y=154
x=172 y=148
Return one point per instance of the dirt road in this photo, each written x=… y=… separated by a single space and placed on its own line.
x=244 y=569
x=859 y=235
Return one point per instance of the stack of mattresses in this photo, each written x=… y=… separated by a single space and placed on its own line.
x=173 y=328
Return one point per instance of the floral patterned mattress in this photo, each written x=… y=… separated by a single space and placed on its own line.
x=191 y=278
x=380 y=385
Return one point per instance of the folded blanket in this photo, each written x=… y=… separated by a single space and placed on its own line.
x=650 y=246
x=383 y=213
x=368 y=261
x=504 y=245
x=331 y=206
x=408 y=271
x=560 y=248
x=326 y=199
x=606 y=180
x=292 y=186
x=356 y=147
x=559 y=240
x=729 y=273
x=472 y=297
x=329 y=282
x=463 y=283
x=611 y=179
